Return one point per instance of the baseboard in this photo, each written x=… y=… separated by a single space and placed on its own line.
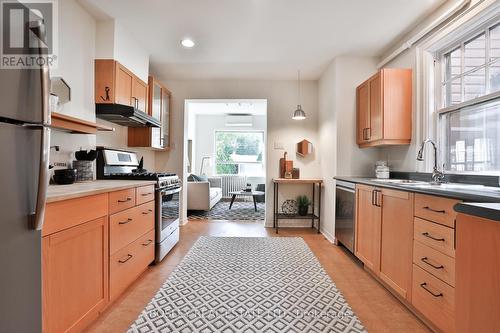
x=328 y=236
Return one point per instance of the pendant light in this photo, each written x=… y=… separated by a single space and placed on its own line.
x=299 y=114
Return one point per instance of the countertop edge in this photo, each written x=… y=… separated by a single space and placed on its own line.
x=478 y=210
x=88 y=192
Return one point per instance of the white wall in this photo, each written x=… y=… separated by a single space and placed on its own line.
x=76 y=65
x=281 y=102
x=339 y=153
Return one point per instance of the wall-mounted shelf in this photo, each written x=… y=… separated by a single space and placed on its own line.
x=77 y=126
x=304 y=148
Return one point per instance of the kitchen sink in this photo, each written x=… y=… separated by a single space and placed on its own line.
x=452 y=186
x=398 y=181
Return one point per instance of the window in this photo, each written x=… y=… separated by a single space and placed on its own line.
x=239 y=153
x=469 y=111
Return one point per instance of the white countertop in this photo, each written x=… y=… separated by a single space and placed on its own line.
x=76 y=190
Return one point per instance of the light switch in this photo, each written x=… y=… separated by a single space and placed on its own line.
x=278 y=145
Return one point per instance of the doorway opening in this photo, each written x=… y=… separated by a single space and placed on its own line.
x=225 y=159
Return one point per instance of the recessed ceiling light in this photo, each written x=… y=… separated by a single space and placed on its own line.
x=188 y=43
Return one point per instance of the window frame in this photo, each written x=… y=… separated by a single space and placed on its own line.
x=440 y=81
x=263 y=162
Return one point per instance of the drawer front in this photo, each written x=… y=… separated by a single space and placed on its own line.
x=121 y=200
x=434 y=299
x=171 y=228
x=129 y=224
x=65 y=214
x=128 y=263
x=436 y=209
x=436 y=236
x=438 y=264
x=144 y=194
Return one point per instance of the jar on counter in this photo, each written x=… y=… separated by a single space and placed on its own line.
x=382 y=170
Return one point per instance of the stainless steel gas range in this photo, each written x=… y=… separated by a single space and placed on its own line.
x=120 y=164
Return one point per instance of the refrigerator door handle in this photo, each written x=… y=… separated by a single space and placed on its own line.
x=43 y=181
x=38 y=28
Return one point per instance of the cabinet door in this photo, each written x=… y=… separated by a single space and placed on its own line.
x=367 y=227
x=397 y=240
x=165 y=119
x=376 y=118
x=140 y=94
x=155 y=112
x=123 y=93
x=75 y=276
x=477 y=275
x=363 y=112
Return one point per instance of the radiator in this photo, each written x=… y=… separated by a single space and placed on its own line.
x=232 y=183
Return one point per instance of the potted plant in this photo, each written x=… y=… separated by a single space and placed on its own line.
x=303 y=204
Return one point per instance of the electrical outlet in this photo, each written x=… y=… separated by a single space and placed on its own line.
x=278 y=145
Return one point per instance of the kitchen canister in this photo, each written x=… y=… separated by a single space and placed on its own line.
x=85 y=170
x=382 y=170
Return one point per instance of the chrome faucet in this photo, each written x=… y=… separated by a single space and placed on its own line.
x=437 y=176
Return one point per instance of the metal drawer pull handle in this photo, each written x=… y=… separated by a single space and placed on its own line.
x=148 y=242
x=128 y=199
x=424 y=284
x=426 y=234
x=146 y=194
x=129 y=256
x=426 y=260
x=434 y=210
x=146 y=213
x=126 y=221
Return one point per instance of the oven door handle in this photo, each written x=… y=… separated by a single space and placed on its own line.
x=168 y=192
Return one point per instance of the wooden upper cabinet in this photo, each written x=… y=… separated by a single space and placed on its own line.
x=115 y=84
x=396 y=244
x=363 y=116
x=384 y=108
x=159 y=108
x=367 y=227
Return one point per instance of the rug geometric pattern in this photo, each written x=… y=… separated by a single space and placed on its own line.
x=239 y=284
x=241 y=211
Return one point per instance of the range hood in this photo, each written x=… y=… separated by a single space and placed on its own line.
x=125 y=115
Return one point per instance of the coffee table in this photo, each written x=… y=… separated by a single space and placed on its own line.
x=245 y=193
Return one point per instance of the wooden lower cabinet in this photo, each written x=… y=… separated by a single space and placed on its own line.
x=129 y=262
x=367 y=243
x=75 y=276
x=434 y=299
x=396 y=242
x=477 y=275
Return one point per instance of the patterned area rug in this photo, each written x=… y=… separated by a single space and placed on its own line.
x=237 y=284
x=241 y=211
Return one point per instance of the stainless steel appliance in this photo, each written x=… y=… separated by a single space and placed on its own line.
x=120 y=164
x=24 y=138
x=345 y=206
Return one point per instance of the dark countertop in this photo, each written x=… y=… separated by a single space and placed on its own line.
x=490 y=211
x=472 y=195
x=481 y=203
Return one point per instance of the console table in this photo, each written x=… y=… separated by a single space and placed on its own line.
x=313 y=216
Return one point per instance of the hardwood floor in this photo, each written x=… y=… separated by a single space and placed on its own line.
x=377 y=309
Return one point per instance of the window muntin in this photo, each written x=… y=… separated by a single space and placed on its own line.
x=239 y=153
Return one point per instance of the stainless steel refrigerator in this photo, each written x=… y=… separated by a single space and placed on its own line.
x=24 y=150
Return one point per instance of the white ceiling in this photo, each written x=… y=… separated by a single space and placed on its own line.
x=261 y=39
x=223 y=107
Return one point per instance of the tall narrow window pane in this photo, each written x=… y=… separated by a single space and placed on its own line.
x=475 y=84
x=475 y=52
x=495 y=42
x=495 y=77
